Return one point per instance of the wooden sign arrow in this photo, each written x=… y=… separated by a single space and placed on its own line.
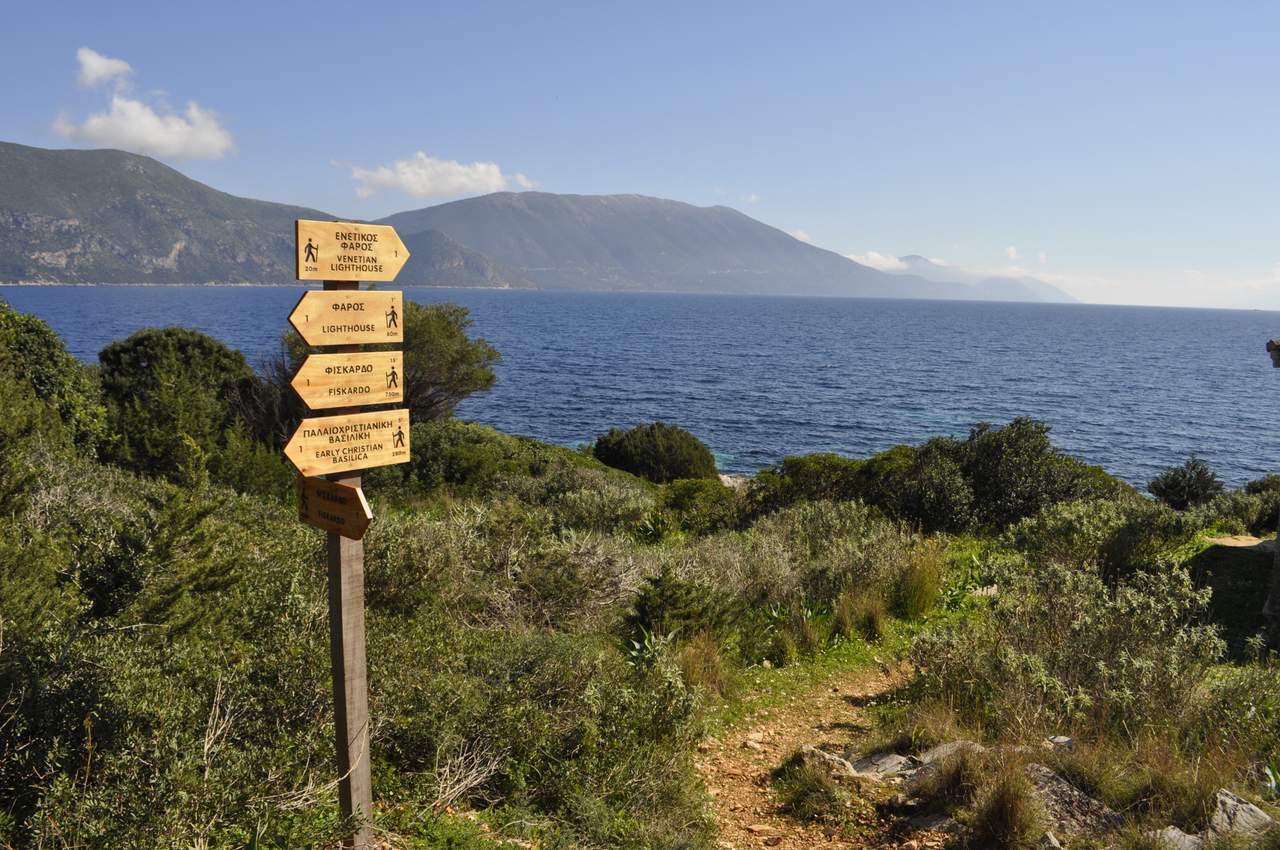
x=346 y=443
x=332 y=506
x=346 y=380
x=349 y=317
x=345 y=250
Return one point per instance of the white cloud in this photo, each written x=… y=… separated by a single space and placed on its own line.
x=1011 y=252
x=751 y=198
x=883 y=262
x=801 y=235
x=424 y=176
x=96 y=69
x=1043 y=257
x=134 y=126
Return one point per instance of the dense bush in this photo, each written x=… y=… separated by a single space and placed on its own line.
x=704 y=505
x=657 y=451
x=39 y=359
x=166 y=674
x=171 y=395
x=1045 y=656
x=1186 y=486
x=993 y=478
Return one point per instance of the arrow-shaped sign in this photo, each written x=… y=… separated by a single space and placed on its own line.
x=349 y=316
x=346 y=443
x=345 y=250
x=347 y=380
x=335 y=507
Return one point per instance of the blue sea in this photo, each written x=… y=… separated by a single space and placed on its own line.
x=1133 y=389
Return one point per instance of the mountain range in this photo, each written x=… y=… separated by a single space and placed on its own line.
x=106 y=216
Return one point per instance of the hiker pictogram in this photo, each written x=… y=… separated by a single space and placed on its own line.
x=398 y=441
x=309 y=252
x=393 y=318
x=393 y=379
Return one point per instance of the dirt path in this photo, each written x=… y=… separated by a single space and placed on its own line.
x=736 y=766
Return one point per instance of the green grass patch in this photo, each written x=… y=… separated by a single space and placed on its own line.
x=761 y=688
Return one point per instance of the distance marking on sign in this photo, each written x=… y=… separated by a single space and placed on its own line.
x=349 y=316
x=345 y=250
x=345 y=443
x=347 y=380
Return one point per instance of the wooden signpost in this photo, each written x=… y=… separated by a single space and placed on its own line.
x=334 y=507
x=345 y=250
x=346 y=443
x=340 y=380
x=349 y=317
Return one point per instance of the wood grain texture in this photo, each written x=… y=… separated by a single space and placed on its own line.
x=332 y=444
x=350 y=680
x=348 y=662
x=349 y=317
x=335 y=507
x=344 y=380
x=344 y=249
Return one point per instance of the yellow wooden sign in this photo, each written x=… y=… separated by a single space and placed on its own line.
x=347 y=380
x=345 y=250
x=332 y=506
x=349 y=317
x=349 y=442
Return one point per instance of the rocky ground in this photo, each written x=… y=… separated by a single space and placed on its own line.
x=829 y=726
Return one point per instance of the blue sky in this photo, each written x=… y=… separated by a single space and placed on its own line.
x=1128 y=152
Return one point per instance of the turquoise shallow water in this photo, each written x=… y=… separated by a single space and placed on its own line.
x=1134 y=389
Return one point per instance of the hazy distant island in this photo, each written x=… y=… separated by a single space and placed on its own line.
x=106 y=216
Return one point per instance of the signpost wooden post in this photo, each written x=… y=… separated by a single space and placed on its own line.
x=342 y=318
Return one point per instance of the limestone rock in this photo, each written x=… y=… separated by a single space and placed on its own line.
x=836 y=765
x=943 y=751
x=1071 y=810
x=1175 y=839
x=1060 y=742
x=1236 y=816
x=884 y=765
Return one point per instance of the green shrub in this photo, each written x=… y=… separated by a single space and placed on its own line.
x=995 y=477
x=28 y=428
x=863 y=614
x=1072 y=533
x=1182 y=487
x=955 y=781
x=658 y=452
x=37 y=357
x=920 y=582
x=702 y=665
x=1120 y=537
x=807 y=478
x=1015 y=472
x=1007 y=815
x=470 y=460
x=704 y=505
x=935 y=492
x=162 y=385
x=1044 y=655
x=806 y=791
x=668 y=604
